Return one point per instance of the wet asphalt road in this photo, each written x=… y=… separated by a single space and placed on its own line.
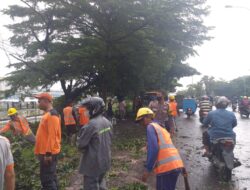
x=202 y=175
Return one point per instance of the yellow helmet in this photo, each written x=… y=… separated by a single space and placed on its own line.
x=143 y=112
x=12 y=111
x=171 y=97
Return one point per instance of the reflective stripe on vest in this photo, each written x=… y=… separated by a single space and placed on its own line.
x=167 y=160
x=163 y=144
x=168 y=156
x=68 y=116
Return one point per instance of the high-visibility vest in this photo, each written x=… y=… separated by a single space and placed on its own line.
x=168 y=158
x=68 y=116
x=21 y=126
x=173 y=108
x=83 y=119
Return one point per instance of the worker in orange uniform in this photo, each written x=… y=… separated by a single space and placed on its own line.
x=174 y=111
x=162 y=156
x=48 y=142
x=70 y=122
x=82 y=116
x=19 y=126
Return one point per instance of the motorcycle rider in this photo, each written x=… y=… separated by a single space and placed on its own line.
x=244 y=103
x=234 y=103
x=221 y=124
x=205 y=107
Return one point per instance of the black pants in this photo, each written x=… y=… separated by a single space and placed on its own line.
x=94 y=183
x=48 y=174
x=169 y=124
x=206 y=139
x=70 y=129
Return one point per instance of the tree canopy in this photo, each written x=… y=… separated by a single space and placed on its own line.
x=106 y=46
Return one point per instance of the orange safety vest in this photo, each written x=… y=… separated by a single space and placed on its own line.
x=173 y=108
x=20 y=127
x=68 y=116
x=83 y=119
x=168 y=158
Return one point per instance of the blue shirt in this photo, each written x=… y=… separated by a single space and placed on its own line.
x=152 y=147
x=221 y=124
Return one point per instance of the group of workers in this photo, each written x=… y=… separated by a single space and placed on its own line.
x=74 y=118
x=165 y=111
x=47 y=142
x=93 y=141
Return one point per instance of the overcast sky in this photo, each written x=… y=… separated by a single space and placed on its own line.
x=226 y=56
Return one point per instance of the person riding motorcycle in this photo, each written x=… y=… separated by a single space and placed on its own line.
x=234 y=102
x=221 y=123
x=244 y=104
x=245 y=101
x=205 y=107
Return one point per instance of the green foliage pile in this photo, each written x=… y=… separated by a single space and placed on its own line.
x=26 y=165
x=132 y=145
x=133 y=186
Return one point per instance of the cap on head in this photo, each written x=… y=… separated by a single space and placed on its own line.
x=44 y=95
x=142 y=112
x=12 y=111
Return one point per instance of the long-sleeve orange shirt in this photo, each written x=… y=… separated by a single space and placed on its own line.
x=19 y=126
x=48 y=136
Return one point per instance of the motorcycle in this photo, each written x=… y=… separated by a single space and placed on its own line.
x=234 y=107
x=244 y=111
x=222 y=157
x=189 y=112
x=202 y=115
x=189 y=106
